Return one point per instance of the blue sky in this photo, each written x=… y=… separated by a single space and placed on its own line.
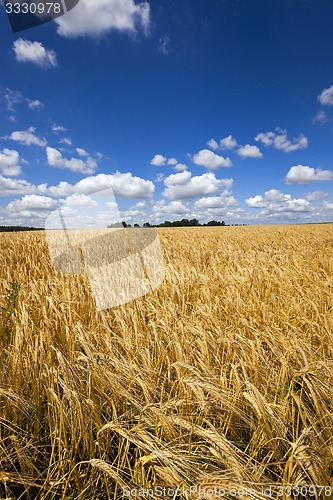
x=215 y=109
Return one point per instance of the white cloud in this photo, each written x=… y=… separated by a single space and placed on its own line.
x=162 y=161
x=183 y=186
x=228 y=142
x=161 y=208
x=211 y=160
x=256 y=202
x=321 y=117
x=32 y=206
x=280 y=141
x=178 y=179
x=158 y=161
x=82 y=152
x=55 y=159
x=124 y=185
x=9 y=162
x=58 y=128
x=328 y=206
x=212 y=144
x=34 y=52
x=160 y=177
x=34 y=104
x=12 y=98
x=140 y=204
x=95 y=18
x=79 y=200
x=9 y=187
x=216 y=202
x=61 y=190
x=66 y=141
x=180 y=167
x=315 y=196
x=28 y=137
x=300 y=174
x=248 y=151
x=326 y=97
x=276 y=202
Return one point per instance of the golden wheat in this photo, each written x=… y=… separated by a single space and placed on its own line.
x=220 y=377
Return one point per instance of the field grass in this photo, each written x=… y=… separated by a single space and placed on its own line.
x=221 y=377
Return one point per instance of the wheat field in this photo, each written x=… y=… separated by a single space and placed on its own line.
x=219 y=378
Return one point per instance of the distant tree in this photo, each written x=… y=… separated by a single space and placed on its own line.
x=146 y=224
x=215 y=223
x=136 y=225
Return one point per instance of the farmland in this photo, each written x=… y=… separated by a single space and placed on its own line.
x=220 y=377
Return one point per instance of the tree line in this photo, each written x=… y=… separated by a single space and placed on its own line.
x=179 y=223
x=10 y=229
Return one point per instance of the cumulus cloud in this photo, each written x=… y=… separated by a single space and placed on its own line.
x=326 y=97
x=280 y=141
x=162 y=161
x=11 y=187
x=276 y=202
x=174 y=208
x=124 y=185
x=158 y=160
x=212 y=144
x=222 y=201
x=300 y=174
x=210 y=160
x=101 y=16
x=55 y=159
x=33 y=202
x=28 y=137
x=31 y=206
x=183 y=186
x=35 y=52
x=178 y=179
x=9 y=162
x=228 y=142
x=248 y=151
x=180 y=167
x=79 y=200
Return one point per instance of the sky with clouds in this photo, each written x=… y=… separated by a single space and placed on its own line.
x=215 y=109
